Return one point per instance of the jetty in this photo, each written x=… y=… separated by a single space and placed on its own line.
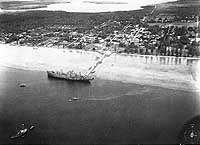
x=97 y=63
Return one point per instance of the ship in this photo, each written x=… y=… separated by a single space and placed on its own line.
x=70 y=76
x=73 y=76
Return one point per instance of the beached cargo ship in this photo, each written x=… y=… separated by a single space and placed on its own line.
x=70 y=76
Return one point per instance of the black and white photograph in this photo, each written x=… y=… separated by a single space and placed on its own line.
x=106 y=72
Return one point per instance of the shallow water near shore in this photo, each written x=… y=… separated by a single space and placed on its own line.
x=167 y=72
x=108 y=112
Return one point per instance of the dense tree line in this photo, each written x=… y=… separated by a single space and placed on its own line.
x=22 y=21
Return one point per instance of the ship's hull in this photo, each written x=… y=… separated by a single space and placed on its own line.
x=57 y=75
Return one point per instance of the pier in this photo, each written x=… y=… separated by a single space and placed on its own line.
x=99 y=61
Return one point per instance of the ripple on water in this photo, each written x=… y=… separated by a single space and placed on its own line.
x=138 y=91
x=104 y=98
x=132 y=92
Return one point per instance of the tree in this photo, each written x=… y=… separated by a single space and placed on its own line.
x=184 y=40
x=121 y=44
x=154 y=29
x=96 y=40
x=190 y=29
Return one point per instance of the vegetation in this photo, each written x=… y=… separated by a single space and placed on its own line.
x=110 y=29
x=22 y=21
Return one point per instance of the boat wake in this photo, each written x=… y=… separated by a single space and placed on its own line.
x=138 y=91
x=104 y=98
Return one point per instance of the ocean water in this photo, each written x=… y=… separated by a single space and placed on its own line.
x=108 y=112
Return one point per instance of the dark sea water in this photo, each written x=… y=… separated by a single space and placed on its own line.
x=107 y=113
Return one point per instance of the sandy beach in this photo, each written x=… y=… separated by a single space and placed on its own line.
x=167 y=72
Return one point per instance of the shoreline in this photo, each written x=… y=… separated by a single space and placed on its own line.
x=145 y=70
x=21 y=70
x=103 y=51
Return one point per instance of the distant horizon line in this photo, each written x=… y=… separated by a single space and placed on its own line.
x=86 y=6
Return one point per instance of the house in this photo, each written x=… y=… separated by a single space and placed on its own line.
x=164 y=18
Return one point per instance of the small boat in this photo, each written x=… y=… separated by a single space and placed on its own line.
x=20 y=133
x=22 y=85
x=70 y=76
x=75 y=98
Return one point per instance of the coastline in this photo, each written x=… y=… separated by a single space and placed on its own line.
x=171 y=73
